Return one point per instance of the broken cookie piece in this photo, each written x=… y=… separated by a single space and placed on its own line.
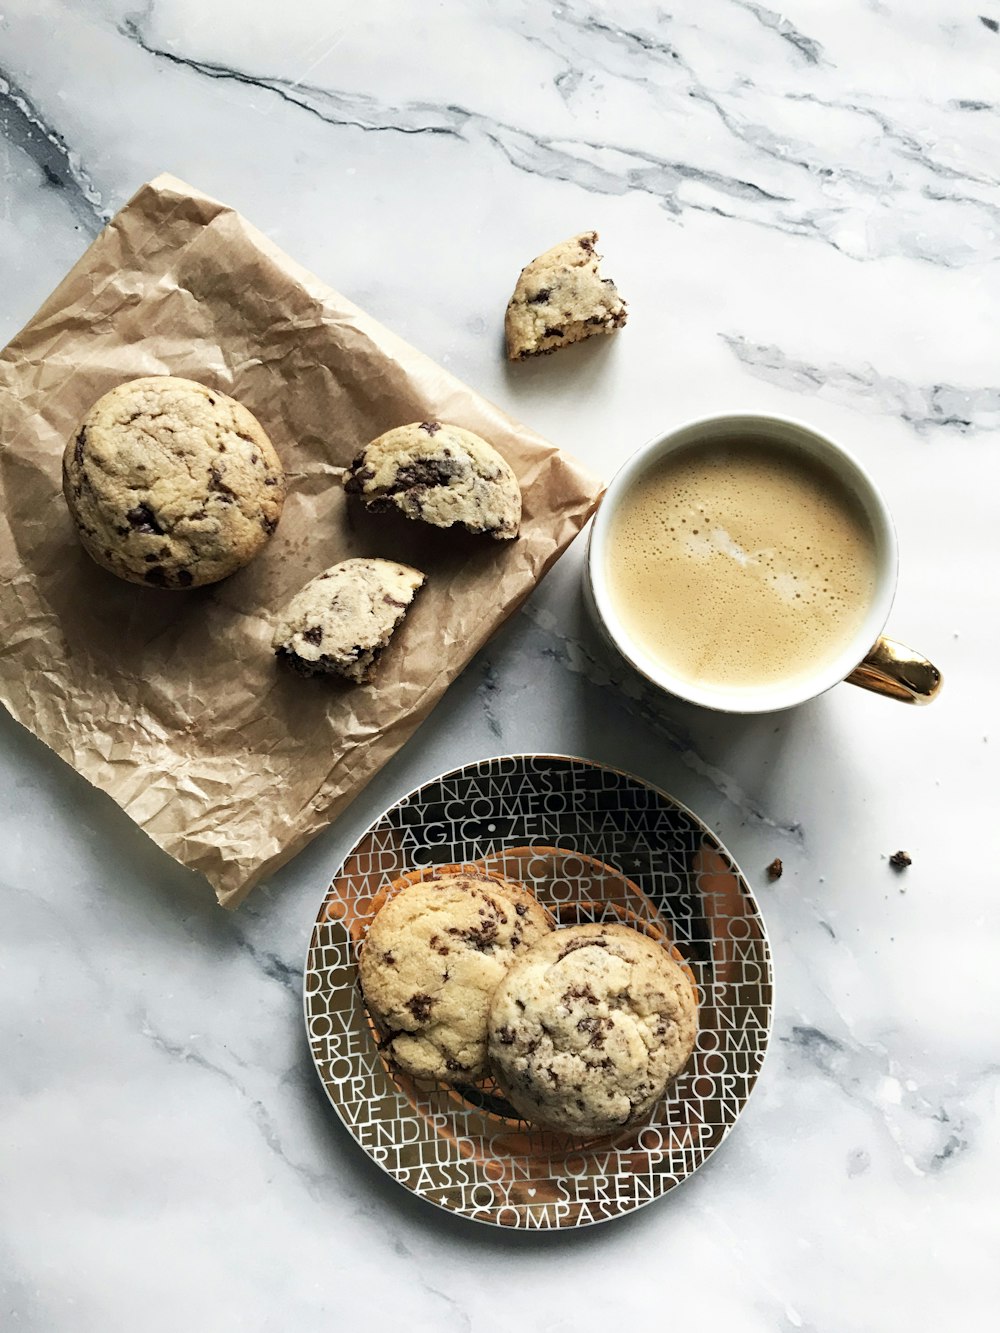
x=341 y=621
x=438 y=474
x=561 y=298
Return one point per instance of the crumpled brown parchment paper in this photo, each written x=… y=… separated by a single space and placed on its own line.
x=172 y=702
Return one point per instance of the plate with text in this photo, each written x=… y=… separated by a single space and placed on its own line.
x=593 y=844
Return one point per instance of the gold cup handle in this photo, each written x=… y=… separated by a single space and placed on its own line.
x=898 y=672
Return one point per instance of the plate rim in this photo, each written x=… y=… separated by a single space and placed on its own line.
x=768 y=980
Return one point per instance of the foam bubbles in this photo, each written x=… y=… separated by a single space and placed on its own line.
x=741 y=565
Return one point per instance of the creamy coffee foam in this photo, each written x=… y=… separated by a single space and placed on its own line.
x=740 y=564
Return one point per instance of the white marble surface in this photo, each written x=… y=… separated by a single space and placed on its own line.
x=803 y=210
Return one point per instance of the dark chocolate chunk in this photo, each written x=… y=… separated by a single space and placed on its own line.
x=481 y=937
x=358 y=475
x=427 y=472
x=431 y=427
x=142 y=519
x=540 y=297
x=268 y=524
x=185 y=578
x=420 y=1007
x=555 y=333
x=505 y=1036
x=157 y=576
x=597 y=1027
x=900 y=860
x=313 y=635
x=78 y=448
x=774 y=870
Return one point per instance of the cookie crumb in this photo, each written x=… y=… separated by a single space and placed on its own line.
x=900 y=860
x=775 y=869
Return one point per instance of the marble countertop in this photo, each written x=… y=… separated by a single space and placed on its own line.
x=802 y=208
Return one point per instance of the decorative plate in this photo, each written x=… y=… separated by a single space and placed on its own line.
x=593 y=844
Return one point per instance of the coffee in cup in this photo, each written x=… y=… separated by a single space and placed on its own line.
x=747 y=563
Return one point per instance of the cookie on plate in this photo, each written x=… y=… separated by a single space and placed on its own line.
x=432 y=959
x=588 y=1027
x=172 y=484
x=439 y=474
x=561 y=298
x=341 y=621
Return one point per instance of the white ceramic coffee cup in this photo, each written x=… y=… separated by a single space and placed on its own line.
x=887 y=667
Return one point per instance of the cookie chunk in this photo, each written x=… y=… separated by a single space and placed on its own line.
x=588 y=1026
x=340 y=622
x=561 y=298
x=438 y=474
x=432 y=960
x=172 y=484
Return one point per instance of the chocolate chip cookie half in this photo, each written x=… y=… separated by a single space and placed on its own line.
x=432 y=959
x=172 y=484
x=438 y=474
x=561 y=298
x=341 y=621
x=588 y=1027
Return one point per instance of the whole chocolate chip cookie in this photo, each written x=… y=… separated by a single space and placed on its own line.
x=432 y=959
x=561 y=298
x=172 y=484
x=438 y=474
x=340 y=622
x=588 y=1026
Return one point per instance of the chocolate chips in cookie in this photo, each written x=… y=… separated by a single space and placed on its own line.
x=341 y=621
x=588 y=1026
x=438 y=474
x=432 y=959
x=561 y=298
x=172 y=484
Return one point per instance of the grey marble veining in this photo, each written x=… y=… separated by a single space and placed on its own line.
x=801 y=207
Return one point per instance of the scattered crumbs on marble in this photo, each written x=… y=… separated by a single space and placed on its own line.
x=900 y=860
